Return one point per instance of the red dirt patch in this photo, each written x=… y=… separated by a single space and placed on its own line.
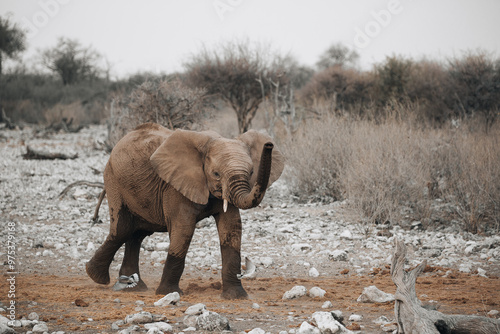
x=58 y=299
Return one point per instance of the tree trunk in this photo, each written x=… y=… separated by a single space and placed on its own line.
x=412 y=318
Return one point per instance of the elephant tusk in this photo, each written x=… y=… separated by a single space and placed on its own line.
x=224 y=207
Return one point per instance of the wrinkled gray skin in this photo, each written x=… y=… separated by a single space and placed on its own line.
x=158 y=180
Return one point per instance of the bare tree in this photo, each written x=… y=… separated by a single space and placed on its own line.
x=12 y=40
x=278 y=93
x=338 y=55
x=475 y=82
x=169 y=103
x=72 y=61
x=231 y=72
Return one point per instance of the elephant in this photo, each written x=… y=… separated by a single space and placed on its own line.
x=161 y=180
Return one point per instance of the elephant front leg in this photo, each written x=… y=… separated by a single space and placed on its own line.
x=229 y=228
x=176 y=259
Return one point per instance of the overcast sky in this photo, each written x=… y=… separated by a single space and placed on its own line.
x=158 y=35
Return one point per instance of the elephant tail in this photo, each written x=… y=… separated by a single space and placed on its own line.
x=95 y=219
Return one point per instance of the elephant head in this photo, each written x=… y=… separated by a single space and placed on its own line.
x=237 y=171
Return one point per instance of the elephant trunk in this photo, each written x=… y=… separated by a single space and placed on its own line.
x=240 y=193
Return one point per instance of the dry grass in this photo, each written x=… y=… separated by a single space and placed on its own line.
x=398 y=169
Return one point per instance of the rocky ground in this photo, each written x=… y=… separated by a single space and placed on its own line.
x=292 y=244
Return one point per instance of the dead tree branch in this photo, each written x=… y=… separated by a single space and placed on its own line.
x=412 y=318
x=80 y=183
x=95 y=219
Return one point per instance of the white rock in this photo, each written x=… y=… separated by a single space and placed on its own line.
x=28 y=323
x=162 y=246
x=338 y=255
x=131 y=330
x=47 y=252
x=481 y=272
x=4 y=320
x=211 y=321
x=139 y=318
x=382 y=320
x=160 y=325
x=301 y=247
x=325 y=322
x=307 y=328
x=296 y=292
x=313 y=272
x=346 y=234
x=327 y=304
x=465 y=267
x=40 y=328
x=266 y=261
x=90 y=247
x=80 y=192
x=355 y=317
x=316 y=292
x=190 y=320
x=33 y=316
x=195 y=309
x=257 y=331
x=372 y=294
x=170 y=299
x=4 y=329
x=255 y=306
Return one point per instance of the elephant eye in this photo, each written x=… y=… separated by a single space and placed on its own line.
x=217 y=175
x=251 y=172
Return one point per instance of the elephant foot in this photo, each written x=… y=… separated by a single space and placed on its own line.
x=234 y=292
x=99 y=274
x=165 y=290
x=140 y=287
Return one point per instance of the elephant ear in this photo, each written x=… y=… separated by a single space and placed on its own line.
x=179 y=162
x=255 y=141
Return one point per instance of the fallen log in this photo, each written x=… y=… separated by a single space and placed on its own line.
x=412 y=318
x=37 y=154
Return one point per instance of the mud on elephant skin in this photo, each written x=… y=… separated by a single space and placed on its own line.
x=158 y=180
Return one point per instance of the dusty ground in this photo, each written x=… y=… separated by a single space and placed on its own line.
x=285 y=239
x=55 y=298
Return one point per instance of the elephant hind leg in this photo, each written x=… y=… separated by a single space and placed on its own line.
x=98 y=267
x=130 y=264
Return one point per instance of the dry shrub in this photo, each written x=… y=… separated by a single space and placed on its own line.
x=169 y=103
x=398 y=170
x=74 y=111
x=469 y=167
x=344 y=89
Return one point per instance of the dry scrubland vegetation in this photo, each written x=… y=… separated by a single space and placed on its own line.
x=407 y=140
